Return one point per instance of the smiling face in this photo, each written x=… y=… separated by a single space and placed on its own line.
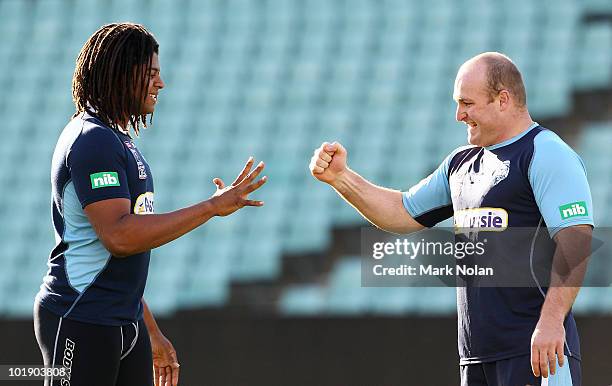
x=475 y=106
x=155 y=83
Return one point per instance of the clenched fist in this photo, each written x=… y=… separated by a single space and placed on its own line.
x=328 y=162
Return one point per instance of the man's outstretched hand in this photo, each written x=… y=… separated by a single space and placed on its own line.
x=228 y=199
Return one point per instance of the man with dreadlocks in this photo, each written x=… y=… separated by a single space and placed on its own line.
x=89 y=315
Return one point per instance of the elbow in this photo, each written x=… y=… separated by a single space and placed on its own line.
x=117 y=245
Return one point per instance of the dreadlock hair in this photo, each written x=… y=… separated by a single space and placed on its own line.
x=111 y=75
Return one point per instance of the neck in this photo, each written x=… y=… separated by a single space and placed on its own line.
x=124 y=126
x=518 y=125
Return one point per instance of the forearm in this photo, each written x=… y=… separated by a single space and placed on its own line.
x=381 y=206
x=558 y=302
x=149 y=320
x=138 y=233
x=569 y=267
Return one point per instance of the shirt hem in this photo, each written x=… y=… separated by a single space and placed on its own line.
x=503 y=356
x=41 y=302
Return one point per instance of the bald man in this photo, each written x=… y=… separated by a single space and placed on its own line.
x=513 y=174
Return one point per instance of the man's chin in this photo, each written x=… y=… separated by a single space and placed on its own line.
x=473 y=139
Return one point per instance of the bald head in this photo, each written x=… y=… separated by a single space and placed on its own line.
x=491 y=99
x=499 y=73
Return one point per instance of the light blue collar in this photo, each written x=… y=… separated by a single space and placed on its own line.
x=513 y=139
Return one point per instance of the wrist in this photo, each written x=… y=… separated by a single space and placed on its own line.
x=342 y=180
x=551 y=318
x=154 y=333
x=210 y=207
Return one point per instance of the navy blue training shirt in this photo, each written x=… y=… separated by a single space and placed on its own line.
x=93 y=162
x=533 y=180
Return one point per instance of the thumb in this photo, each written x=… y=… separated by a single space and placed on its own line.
x=331 y=147
x=219 y=182
x=335 y=148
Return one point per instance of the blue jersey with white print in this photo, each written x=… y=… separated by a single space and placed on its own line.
x=93 y=162
x=532 y=181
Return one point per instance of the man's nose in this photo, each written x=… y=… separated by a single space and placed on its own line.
x=460 y=115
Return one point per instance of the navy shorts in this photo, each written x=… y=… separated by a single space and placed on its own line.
x=517 y=372
x=94 y=355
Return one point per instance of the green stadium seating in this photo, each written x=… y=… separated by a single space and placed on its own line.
x=274 y=80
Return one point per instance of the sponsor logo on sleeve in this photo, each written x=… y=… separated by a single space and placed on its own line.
x=104 y=179
x=573 y=209
x=145 y=204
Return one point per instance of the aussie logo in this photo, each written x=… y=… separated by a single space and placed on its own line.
x=574 y=209
x=145 y=204
x=481 y=219
x=104 y=179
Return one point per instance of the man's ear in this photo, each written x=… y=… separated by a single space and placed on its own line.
x=504 y=100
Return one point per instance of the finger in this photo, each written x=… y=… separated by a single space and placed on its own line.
x=561 y=354
x=316 y=169
x=162 y=376
x=175 y=374
x=253 y=174
x=219 y=182
x=544 y=363
x=255 y=186
x=245 y=170
x=552 y=362
x=253 y=203
x=168 y=376
x=319 y=162
x=156 y=375
x=535 y=366
x=324 y=156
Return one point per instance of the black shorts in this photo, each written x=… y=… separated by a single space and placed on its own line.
x=95 y=355
x=517 y=371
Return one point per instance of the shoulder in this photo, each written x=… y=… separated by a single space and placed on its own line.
x=547 y=141
x=94 y=134
x=551 y=152
x=94 y=140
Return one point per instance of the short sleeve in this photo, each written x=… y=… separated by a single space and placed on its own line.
x=97 y=164
x=429 y=201
x=559 y=183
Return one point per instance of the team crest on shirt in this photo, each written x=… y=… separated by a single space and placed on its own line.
x=469 y=185
x=142 y=171
x=474 y=179
x=145 y=204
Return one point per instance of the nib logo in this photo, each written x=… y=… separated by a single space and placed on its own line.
x=104 y=179
x=573 y=209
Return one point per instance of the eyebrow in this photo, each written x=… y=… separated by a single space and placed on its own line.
x=462 y=99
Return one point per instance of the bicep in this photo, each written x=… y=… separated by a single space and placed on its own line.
x=105 y=216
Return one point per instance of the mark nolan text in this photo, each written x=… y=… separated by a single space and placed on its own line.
x=431 y=270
